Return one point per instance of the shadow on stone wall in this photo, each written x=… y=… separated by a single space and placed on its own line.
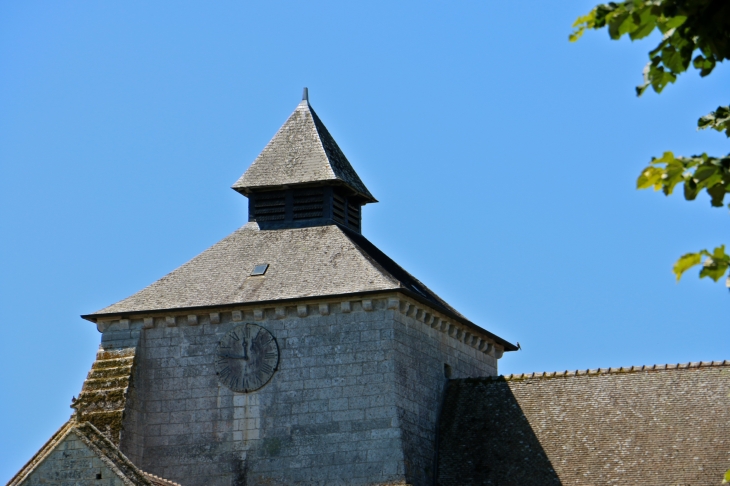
x=485 y=438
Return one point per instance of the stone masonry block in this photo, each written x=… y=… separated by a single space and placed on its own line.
x=324 y=309
x=350 y=381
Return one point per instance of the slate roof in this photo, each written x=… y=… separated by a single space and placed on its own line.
x=301 y=152
x=657 y=425
x=101 y=446
x=318 y=261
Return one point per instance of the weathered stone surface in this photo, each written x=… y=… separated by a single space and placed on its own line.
x=354 y=401
x=73 y=462
x=78 y=454
x=103 y=398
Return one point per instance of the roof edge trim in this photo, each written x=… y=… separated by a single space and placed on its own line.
x=548 y=375
x=508 y=346
x=245 y=191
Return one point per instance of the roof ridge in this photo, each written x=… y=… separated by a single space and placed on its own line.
x=159 y=480
x=605 y=371
x=108 y=452
x=45 y=449
x=100 y=445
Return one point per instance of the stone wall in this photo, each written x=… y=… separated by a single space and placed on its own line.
x=133 y=434
x=355 y=399
x=72 y=462
x=423 y=354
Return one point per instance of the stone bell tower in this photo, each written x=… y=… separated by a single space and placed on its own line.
x=291 y=352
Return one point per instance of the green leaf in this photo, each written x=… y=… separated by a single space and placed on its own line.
x=664 y=159
x=660 y=78
x=624 y=25
x=650 y=177
x=726 y=477
x=645 y=25
x=672 y=23
x=719 y=254
x=705 y=172
x=713 y=269
x=705 y=64
x=581 y=24
x=675 y=59
x=686 y=262
x=614 y=26
x=718 y=120
x=690 y=190
x=717 y=192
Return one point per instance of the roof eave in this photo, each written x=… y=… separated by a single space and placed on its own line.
x=413 y=295
x=248 y=190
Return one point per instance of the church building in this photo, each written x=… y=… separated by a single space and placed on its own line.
x=295 y=352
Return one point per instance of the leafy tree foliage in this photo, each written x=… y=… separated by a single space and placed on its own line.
x=718 y=119
x=696 y=33
x=688 y=26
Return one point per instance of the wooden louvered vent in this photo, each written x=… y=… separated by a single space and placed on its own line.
x=353 y=215
x=305 y=206
x=338 y=208
x=308 y=204
x=270 y=206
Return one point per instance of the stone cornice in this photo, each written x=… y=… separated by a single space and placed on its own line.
x=472 y=336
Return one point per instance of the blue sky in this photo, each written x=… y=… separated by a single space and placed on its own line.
x=504 y=158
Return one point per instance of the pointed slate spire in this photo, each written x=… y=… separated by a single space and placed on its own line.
x=302 y=152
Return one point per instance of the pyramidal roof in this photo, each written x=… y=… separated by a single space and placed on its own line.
x=320 y=261
x=301 y=152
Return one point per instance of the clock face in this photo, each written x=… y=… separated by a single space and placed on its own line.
x=246 y=358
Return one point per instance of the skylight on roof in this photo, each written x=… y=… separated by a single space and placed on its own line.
x=259 y=269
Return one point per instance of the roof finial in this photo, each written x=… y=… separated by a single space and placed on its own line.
x=305 y=95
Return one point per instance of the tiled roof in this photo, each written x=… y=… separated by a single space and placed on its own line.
x=303 y=262
x=301 y=152
x=603 y=371
x=309 y=262
x=656 y=425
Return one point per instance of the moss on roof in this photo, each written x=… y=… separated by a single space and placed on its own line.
x=653 y=425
